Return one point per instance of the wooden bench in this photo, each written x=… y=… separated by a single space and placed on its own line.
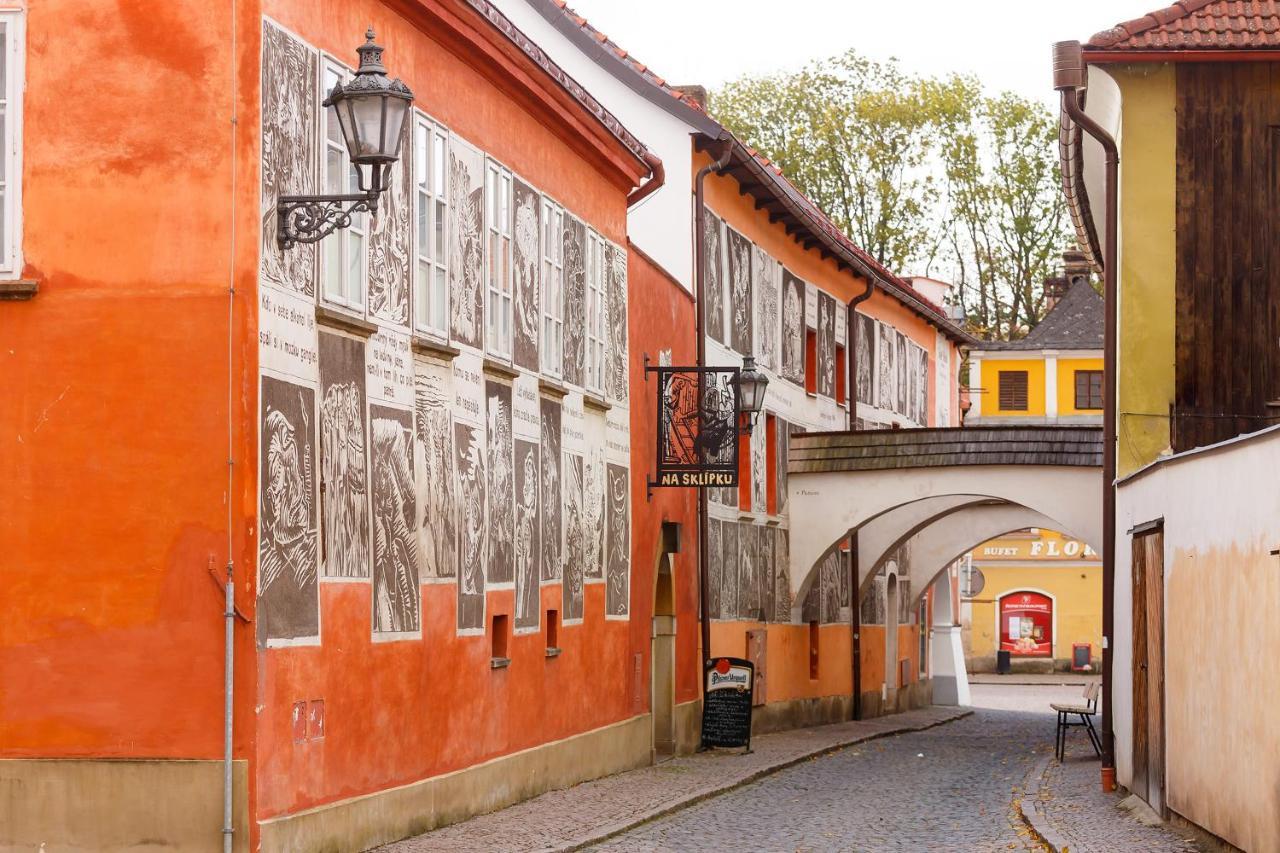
x=1085 y=712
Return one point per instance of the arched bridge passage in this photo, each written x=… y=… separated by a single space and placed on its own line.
x=840 y=481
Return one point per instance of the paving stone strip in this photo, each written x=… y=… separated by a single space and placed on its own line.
x=573 y=818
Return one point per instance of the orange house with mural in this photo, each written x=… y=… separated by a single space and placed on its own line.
x=187 y=402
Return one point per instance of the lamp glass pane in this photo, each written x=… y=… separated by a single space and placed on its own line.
x=397 y=110
x=367 y=113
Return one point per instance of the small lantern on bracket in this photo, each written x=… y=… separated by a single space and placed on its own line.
x=751 y=388
x=371 y=110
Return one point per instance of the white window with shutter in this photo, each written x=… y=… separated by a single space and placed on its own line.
x=431 y=205
x=12 y=80
x=497 y=216
x=343 y=261
x=552 y=288
x=596 y=312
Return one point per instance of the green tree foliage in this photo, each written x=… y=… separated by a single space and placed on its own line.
x=927 y=175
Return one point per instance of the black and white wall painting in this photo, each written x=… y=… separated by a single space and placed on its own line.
x=574 y=244
x=900 y=345
x=344 y=494
x=831 y=570
x=942 y=381
x=886 y=387
x=783 y=443
x=871 y=609
x=593 y=513
x=574 y=539
x=729 y=583
x=524 y=267
x=617 y=600
x=739 y=292
x=616 y=370
x=714 y=281
x=765 y=286
x=501 y=525
x=469 y=459
x=551 y=497
x=913 y=383
x=826 y=355
x=715 y=562
x=765 y=574
x=782 y=575
x=390 y=276
x=866 y=355
x=289 y=144
x=436 y=488
x=397 y=596
x=922 y=387
x=793 y=328
x=759 y=466
x=748 y=567
x=288 y=593
x=528 y=536
x=466 y=243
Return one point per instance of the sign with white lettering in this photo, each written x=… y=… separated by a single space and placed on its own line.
x=726 y=707
x=697 y=427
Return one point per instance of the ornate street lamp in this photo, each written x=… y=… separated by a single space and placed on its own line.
x=751 y=387
x=371 y=110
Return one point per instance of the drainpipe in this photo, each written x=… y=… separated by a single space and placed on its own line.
x=657 y=177
x=700 y=251
x=1069 y=78
x=855 y=598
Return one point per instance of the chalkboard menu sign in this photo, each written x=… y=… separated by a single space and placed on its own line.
x=726 y=707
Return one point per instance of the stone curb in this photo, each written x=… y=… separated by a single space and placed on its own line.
x=604 y=833
x=1037 y=823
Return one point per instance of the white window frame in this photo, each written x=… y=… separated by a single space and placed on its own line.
x=552 y=288
x=338 y=246
x=14 y=22
x=430 y=191
x=497 y=259
x=597 y=309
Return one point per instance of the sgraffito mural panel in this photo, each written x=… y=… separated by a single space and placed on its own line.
x=729 y=582
x=344 y=458
x=782 y=576
x=574 y=245
x=436 y=487
x=765 y=285
x=826 y=345
x=389 y=253
x=524 y=266
x=759 y=466
x=793 y=327
x=397 y=605
x=501 y=524
x=593 y=509
x=714 y=277
x=288 y=593
x=466 y=243
x=739 y=292
x=616 y=372
x=289 y=157
x=900 y=349
x=574 y=540
x=528 y=549
x=866 y=355
x=886 y=388
x=768 y=571
x=715 y=568
x=617 y=600
x=748 y=570
x=552 y=495
x=469 y=459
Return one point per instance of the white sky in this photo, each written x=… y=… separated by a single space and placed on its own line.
x=1006 y=43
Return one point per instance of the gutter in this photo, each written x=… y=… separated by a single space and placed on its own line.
x=657 y=178
x=1070 y=80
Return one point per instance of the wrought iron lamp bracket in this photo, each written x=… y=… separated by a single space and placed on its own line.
x=311 y=218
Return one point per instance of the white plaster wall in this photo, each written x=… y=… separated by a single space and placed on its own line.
x=662 y=224
x=1221 y=511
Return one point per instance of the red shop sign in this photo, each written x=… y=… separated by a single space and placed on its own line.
x=1026 y=624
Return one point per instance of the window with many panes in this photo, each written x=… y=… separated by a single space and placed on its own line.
x=342 y=261
x=1013 y=390
x=430 y=285
x=497 y=216
x=1088 y=389
x=552 y=288
x=11 y=85
x=595 y=313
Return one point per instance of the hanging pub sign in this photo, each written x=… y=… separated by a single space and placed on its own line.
x=697 y=427
x=726 y=707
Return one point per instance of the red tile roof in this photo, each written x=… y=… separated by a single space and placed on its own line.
x=1197 y=25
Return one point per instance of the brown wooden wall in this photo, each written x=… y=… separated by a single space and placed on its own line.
x=1228 y=247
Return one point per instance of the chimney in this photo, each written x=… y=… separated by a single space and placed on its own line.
x=1075 y=266
x=1055 y=287
x=696 y=94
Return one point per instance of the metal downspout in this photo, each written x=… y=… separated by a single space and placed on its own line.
x=1069 y=78
x=700 y=251
x=229 y=590
x=851 y=393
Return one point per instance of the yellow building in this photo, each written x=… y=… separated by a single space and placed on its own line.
x=1054 y=374
x=1036 y=594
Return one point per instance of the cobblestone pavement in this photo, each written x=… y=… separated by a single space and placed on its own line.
x=1087 y=820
